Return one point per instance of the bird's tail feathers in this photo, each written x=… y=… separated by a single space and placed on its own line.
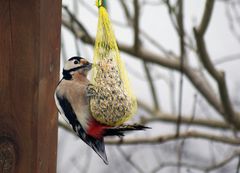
x=120 y=130
x=99 y=147
x=96 y=144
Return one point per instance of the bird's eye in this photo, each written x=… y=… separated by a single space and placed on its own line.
x=76 y=62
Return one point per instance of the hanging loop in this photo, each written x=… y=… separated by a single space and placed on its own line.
x=99 y=3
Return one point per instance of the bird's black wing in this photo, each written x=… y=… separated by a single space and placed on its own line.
x=96 y=144
x=68 y=111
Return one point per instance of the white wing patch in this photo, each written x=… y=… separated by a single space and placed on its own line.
x=60 y=109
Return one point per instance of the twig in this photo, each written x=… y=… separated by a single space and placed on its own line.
x=136 y=25
x=136 y=48
x=142 y=32
x=206 y=17
x=230 y=12
x=182 y=142
x=238 y=165
x=172 y=91
x=182 y=57
x=228 y=58
x=164 y=138
x=152 y=87
x=126 y=11
x=128 y=159
x=170 y=137
x=165 y=117
x=223 y=162
x=82 y=32
x=199 y=32
x=197 y=167
x=172 y=14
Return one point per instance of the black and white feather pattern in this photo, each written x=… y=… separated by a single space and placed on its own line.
x=66 y=110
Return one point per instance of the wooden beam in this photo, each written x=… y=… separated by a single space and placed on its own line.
x=29 y=70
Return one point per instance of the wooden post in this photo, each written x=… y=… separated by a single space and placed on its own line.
x=29 y=69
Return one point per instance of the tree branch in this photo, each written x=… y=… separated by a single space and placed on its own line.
x=187 y=120
x=163 y=138
x=152 y=87
x=126 y=11
x=206 y=17
x=136 y=25
x=198 y=167
x=228 y=112
x=170 y=137
x=182 y=58
x=128 y=159
x=164 y=117
x=223 y=162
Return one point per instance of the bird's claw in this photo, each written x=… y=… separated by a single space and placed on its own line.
x=91 y=91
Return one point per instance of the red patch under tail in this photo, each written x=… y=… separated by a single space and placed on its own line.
x=96 y=129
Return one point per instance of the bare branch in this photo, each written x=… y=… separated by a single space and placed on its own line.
x=170 y=137
x=172 y=14
x=75 y=26
x=206 y=17
x=228 y=58
x=128 y=159
x=165 y=117
x=163 y=138
x=228 y=112
x=126 y=11
x=198 y=167
x=223 y=162
x=182 y=57
x=238 y=165
x=152 y=87
x=136 y=48
x=136 y=25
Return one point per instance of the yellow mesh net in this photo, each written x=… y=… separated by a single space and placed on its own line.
x=113 y=102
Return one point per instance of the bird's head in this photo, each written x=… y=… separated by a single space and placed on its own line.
x=76 y=65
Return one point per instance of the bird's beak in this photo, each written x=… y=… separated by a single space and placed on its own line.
x=88 y=66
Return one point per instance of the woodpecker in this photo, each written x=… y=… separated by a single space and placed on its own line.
x=72 y=97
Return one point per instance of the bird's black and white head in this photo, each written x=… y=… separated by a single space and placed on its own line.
x=76 y=64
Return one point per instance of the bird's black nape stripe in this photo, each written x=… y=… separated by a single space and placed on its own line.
x=67 y=75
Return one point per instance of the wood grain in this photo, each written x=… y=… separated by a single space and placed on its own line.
x=29 y=67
